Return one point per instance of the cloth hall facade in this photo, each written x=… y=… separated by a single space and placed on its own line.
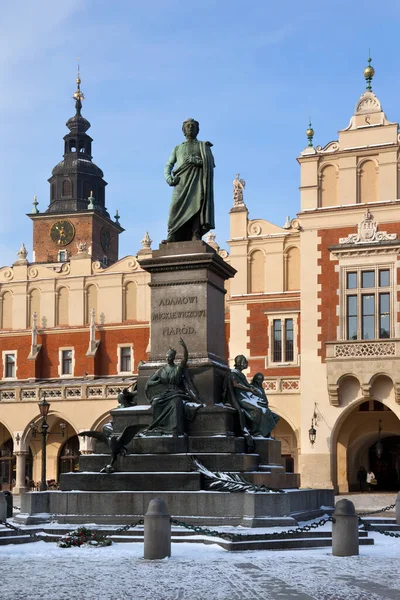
x=314 y=306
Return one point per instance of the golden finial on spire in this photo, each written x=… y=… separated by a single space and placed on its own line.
x=369 y=72
x=78 y=95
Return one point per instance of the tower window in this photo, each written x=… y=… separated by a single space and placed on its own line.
x=67 y=188
x=53 y=191
x=72 y=146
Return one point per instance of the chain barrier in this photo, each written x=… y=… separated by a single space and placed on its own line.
x=16 y=507
x=375 y=512
x=239 y=536
x=372 y=528
x=31 y=534
x=126 y=527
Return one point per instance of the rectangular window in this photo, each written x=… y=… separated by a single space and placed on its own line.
x=277 y=353
x=384 y=315
x=367 y=279
x=368 y=303
x=9 y=370
x=66 y=362
x=125 y=359
x=384 y=278
x=352 y=317
x=351 y=281
x=368 y=316
x=289 y=351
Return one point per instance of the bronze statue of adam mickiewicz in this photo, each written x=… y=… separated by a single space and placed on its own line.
x=191 y=213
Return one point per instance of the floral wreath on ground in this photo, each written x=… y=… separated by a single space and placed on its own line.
x=83 y=537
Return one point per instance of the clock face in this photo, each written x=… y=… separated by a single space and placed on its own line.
x=62 y=233
x=105 y=238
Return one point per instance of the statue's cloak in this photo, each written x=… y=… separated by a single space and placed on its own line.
x=194 y=193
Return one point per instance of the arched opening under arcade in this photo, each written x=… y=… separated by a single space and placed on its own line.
x=68 y=458
x=285 y=434
x=355 y=439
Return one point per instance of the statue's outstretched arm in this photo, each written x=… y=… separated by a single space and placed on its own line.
x=185 y=353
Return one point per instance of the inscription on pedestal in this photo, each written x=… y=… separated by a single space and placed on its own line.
x=176 y=315
x=178 y=322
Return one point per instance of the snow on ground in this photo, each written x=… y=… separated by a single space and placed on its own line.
x=42 y=571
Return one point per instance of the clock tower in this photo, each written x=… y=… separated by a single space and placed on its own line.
x=76 y=219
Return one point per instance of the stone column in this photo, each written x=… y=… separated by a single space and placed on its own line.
x=20 y=484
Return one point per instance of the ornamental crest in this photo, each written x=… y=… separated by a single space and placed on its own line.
x=368 y=233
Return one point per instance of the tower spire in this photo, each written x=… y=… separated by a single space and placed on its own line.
x=369 y=72
x=78 y=95
x=310 y=133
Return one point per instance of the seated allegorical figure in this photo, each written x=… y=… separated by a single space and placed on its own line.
x=172 y=395
x=250 y=401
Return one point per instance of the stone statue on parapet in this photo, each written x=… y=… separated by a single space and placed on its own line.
x=250 y=401
x=117 y=444
x=191 y=213
x=238 y=187
x=172 y=394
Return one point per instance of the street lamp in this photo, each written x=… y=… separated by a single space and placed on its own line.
x=44 y=408
x=312 y=433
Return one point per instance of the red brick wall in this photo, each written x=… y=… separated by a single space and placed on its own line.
x=258 y=331
x=47 y=362
x=329 y=281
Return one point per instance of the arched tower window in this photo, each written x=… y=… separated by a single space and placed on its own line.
x=328 y=186
x=91 y=302
x=368 y=182
x=256 y=272
x=67 y=188
x=34 y=306
x=6 y=316
x=130 y=301
x=72 y=146
x=53 y=191
x=293 y=269
x=63 y=307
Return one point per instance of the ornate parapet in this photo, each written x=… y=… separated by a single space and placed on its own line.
x=363 y=360
x=282 y=385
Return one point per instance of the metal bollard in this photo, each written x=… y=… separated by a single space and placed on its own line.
x=3 y=507
x=157 y=530
x=344 y=529
x=398 y=509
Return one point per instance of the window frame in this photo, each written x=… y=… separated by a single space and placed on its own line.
x=120 y=347
x=283 y=317
x=360 y=293
x=6 y=353
x=61 y=361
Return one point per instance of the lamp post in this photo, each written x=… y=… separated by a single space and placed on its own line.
x=44 y=408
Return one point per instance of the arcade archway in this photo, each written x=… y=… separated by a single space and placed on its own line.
x=285 y=434
x=369 y=436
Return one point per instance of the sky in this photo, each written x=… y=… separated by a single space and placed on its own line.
x=252 y=73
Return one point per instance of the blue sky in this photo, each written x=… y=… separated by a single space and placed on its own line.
x=251 y=73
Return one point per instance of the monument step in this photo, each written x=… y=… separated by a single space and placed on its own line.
x=273 y=479
x=16 y=539
x=138 y=482
x=217 y=443
x=172 y=462
x=197 y=507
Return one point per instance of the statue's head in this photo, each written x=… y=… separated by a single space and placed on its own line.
x=258 y=379
x=171 y=354
x=190 y=128
x=241 y=362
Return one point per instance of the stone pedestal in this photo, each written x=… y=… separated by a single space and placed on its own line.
x=187 y=301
